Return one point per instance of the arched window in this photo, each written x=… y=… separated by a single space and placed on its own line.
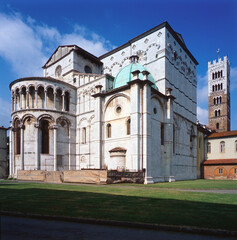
x=213 y=75
x=45 y=137
x=236 y=145
x=221 y=86
x=215 y=113
x=59 y=102
x=213 y=88
x=83 y=137
x=58 y=71
x=128 y=126
x=217 y=126
x=219 y=113
x=221 y=73
x=192 y=135
x=214 y=101
x=17 y=137
x=222 y=146
x=208 y=147
x=108 y=130
x=162 y=134
x=67 y=101
x=220 y=99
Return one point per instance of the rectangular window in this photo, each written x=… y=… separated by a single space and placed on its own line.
x=162 y=135
x=235 y=171
x=222 y=147
x=220 y=171
x=173 y=138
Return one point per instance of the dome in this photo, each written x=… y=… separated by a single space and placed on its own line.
x=125 y=75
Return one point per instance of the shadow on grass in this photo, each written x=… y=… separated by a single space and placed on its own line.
x=119 y=207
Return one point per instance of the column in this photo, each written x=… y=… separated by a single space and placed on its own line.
x=15 y=102
x=13 y=151
x=55 y=128
x=147 y=159
x=22 y=146
x=27 y=99
x=36 y=98
x=169 y=136
x=45 y=99
x=20 y=98
x=37 y=153
x=63 y=101
x=13 y=106
x=54 y=99
x=98 y=125
x=69 y=147
x=147 y=138
x=135 y=122
x=10 y=152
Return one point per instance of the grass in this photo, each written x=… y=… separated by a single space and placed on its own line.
x=194 y=184
x=146 y=205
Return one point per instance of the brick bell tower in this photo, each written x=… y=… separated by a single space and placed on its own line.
x=219 y=94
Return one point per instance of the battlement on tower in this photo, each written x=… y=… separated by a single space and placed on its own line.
x=225 y=59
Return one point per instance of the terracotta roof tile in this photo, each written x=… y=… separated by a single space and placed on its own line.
x=223 y=134
x=118 y=149
x=219 y=161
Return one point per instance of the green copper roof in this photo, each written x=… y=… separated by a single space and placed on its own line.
x=125 y=75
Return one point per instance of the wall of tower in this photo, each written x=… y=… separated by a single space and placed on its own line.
x=219 y=95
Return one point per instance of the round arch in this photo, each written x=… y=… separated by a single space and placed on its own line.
x=113 y=97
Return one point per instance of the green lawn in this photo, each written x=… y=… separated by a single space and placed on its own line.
x=148 y=205
x=194 y=184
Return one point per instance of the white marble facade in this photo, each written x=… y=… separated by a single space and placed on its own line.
x=75 y=117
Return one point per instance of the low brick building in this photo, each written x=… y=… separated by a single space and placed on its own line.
x=221 y=154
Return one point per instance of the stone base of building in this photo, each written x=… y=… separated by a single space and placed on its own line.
x=95 y=176
x=150 y=180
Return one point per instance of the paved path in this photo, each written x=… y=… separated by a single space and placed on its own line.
x=18 y=228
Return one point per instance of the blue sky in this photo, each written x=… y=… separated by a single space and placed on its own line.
x=31 y=30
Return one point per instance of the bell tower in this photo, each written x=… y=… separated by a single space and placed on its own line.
x=219 y=94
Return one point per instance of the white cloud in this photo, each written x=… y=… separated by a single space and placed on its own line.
x=26 y=45
x=95 y=47
x=202 y=115
x=20 y=46
x=233 y=78
x=5 y=113
x=202 y=89
x=202 y=94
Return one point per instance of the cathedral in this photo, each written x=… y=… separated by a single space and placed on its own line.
x=132 y=109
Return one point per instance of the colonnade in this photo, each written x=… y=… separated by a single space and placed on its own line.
x=46 y=98
x=13 y=144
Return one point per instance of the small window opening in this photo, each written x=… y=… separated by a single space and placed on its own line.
x=108 y=128
x=162 y=135
x=83 y=135
x=209 y=147
x=45 y=137
x=128 y=126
